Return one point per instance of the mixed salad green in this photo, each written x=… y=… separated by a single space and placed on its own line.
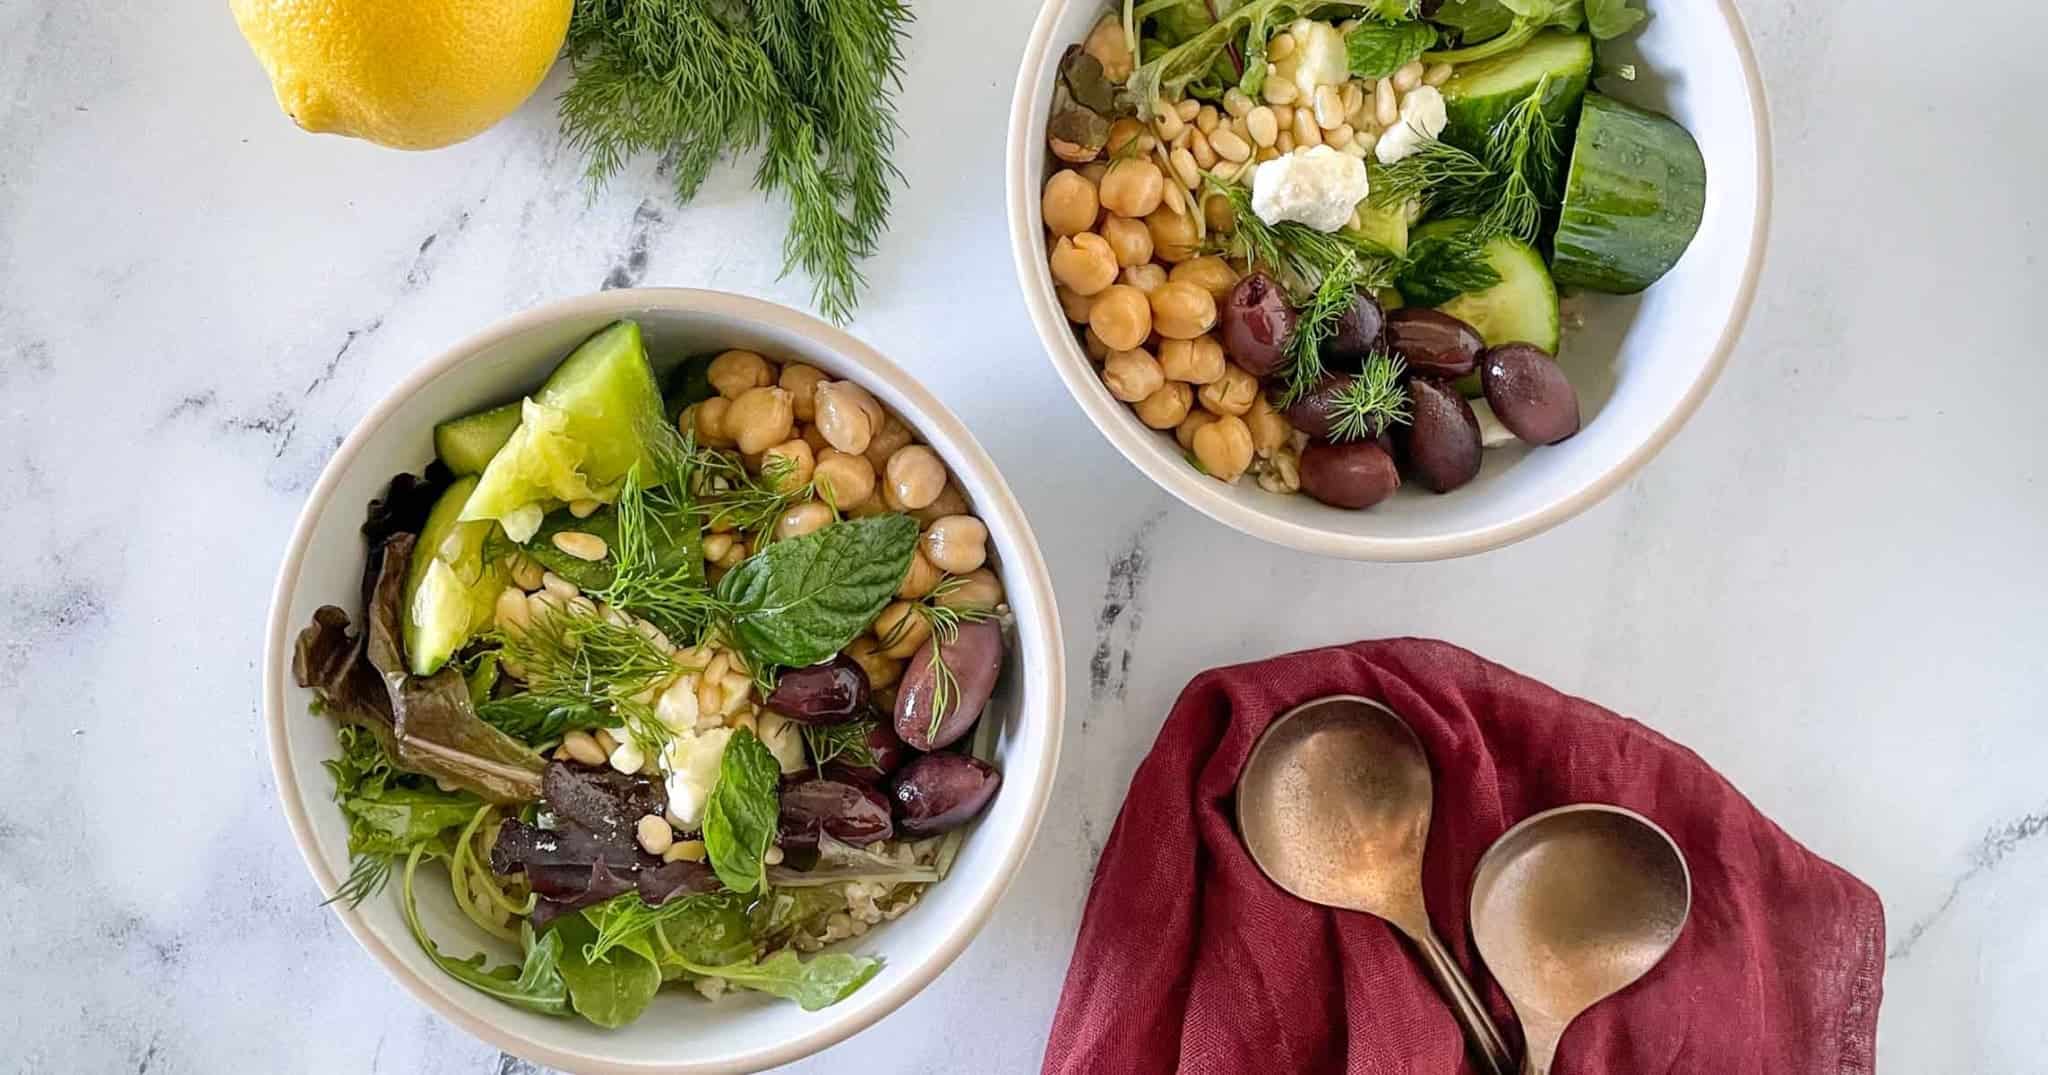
x=672 y=689
x=1369 y=207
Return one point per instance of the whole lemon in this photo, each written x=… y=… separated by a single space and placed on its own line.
x=411 y=74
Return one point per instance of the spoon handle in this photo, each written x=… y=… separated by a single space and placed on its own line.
x=1466 y=1006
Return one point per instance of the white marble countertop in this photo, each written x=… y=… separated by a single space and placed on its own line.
x=1831 y=584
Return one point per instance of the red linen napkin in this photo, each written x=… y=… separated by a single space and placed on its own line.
x=1190 y=960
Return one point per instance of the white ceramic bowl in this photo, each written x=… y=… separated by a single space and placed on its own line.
x=679 y=1033
x=1641 y=365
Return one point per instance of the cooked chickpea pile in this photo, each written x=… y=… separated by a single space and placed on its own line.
x=1128 y=224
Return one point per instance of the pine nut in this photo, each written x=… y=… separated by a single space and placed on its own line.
x=1265 y=153
x=1409 y=77
x=581 y=605
x=1281 y=47
x=716 y=546
x=604 y=740
x=1168 y=126
x=773 y=857
x=684 y=851
x=1229 y=146
x=1340 y=137
x=1284 y=142
x=1283 y=116
x=1354 y=96
x=654 y=834
x=1364 y=141
x=1187 y=110
x=1280 y=91
x=1207 y=119
x=1262 y=125
x=1386 y=107
x=1355 y=148
x=584 y=509
x=510 y=612
x=583 y=748
x=1202 y=150
x=1329 y=107
x=581 y=545
x=1175 y=202
x=1437 y=75
x=1235 y=102
x=557 y=585
x=1185 y=170
x=526 y=572
x=1306 y=134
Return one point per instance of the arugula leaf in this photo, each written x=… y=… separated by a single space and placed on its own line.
x=820 y=983
x=1608 y=19
x=1529 y=18
x=612 y=991
x=1377 y=51
x=1441 y=268
x=800 y=601
x=537 y=984
x=389 y=812
x=706 y=927
x=1474 y=20
x=739 y=819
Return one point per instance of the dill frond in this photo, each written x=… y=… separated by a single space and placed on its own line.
x=1370 y=402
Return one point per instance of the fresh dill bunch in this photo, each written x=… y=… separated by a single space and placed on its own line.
x=1371 y=402
x=1522 y=150
x=845 y=743
x=584 y=663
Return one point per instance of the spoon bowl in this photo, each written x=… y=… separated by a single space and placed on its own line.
x=1334 y=806
x=1570 y=907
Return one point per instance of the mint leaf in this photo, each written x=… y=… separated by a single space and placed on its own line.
x=739 y=821
x=798 y=602
x=1377 y=51
x=824 y=981
x=1612 y=18
x=1439 y=269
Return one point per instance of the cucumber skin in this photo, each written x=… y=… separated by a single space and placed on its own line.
x=1472 y=116
x=1633 y=199
x=1502 y=252
x=466 y=444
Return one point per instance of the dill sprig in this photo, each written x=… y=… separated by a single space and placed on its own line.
x=839 y=742
x=584 y=671
x=732 y=499
x=368 y=873
x=1300 y=255
x=1314 y=323
x=944 y=621
x=809 y=83
x=1437 y=172
x=665 y=590
x=1371 y=402
x=1505 y=189
x=627 y=916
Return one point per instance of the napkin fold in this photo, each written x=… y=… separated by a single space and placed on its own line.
x=1189 y=960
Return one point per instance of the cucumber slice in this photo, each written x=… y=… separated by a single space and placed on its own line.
x=449 y=590
x=577 y=436
x=1632 y=199
x=1387 y=227
x=466 y=444
x=1480 y=93
x=1522 y=308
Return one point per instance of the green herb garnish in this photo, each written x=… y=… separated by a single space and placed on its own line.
x=1371 y=402
x=844 y=743
x=740 y=817
x=1505 y=190
x=1376 y=51
x=945 y=621
x=798 y=602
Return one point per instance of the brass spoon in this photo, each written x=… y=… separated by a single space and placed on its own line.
x=1570 y=907
x=1334 y=805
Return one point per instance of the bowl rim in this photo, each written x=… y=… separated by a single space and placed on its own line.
x=1030 y=570
x=1027 y=250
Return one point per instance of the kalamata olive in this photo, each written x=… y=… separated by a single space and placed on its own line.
x=1440 y=443
x=1311 y=413
x=1355 y=475
x=1358 y=333
x=829 y=693
x=939 y=792
x=1433 y=343
x=884 y=745
x=1257 y=319
x=1529 y=393
x=974 y=658
x=851 y=812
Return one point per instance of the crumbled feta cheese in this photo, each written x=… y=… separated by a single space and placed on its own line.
x=677 y=706
x=1422 y=119
x=1491 y=433
x=1320 y=59
x=1320 y=188
x=690 y=761
x=784 y=739
x=627 y=757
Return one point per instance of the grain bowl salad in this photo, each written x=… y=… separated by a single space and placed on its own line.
x=1321 y=242
x=673 y=690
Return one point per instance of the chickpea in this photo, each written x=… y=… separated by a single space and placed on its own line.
x=843 y=415
x=921 y=579
x=734 y=553
x=1120 y=133
x=799 y=464
x=890 y=436
x=712 y=421
x=956 y=544
x=1224 y=448
x=801 y=382
x=1270 y=429
x=1196 y=361
x=951 y=501
x=873 y=505
x=1192 y=424
x=1091 y=343
x=901 y=630
x=1084 y=263
x=1146 y=278
x=979 y=588
x=761 y=418
x=844 y=479
x=1069 y=203
x=1231 y=394
x=882 y=671
x=1182 y=311
x=1132 y=375
x=1121 y=316
x=916 y=476
x=805 y=518
x=811 y=436
x=1216 y=211
x=1166 y=407
x=1093 y=173
x=1173 y=235
x=1106 y=42
x=733 y=372
x=1131 y=240
x=1208 y=272
x=1072 y=303
x=1132 y=187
